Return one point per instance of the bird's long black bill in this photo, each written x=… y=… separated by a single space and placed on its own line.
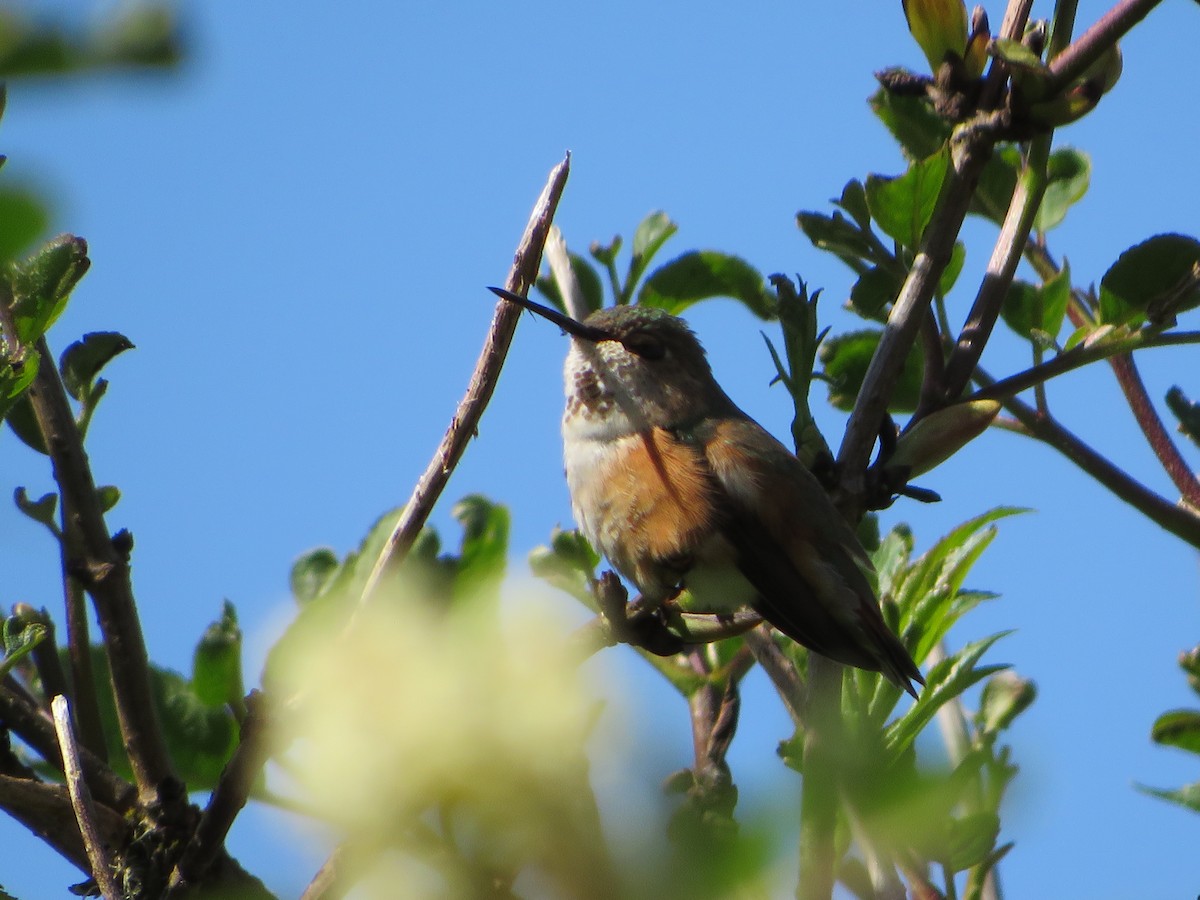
x=566 y=323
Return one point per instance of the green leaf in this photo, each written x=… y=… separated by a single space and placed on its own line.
x=1152 y=281
x=82 y=361
x=837 y=235
x=217 y=662
x=1031 y=308
x=996 y=184
x=22 y=633
x=23 y=422
x=903 y=206
x=1004 y=697
x=701 y=274
x=606 y=254
x=484 y=547
x=1069 y=173
x=945 y=681
x=586 y=277
x=939 y=27
x=953 y=268
x=312 y=573
x=1187 y=796
x=40 y=510
x=913 y=122
x=972 y=838
x=42 y=284
x=109 y=496
x=568 y=563
x=1178 y=728
x=18 y=369
x=874 y=291
x=652 y=232
x=23 y=219
x=854 y=201
x=200 y=739
x=1017 y=55
x=1186 y=411
x=845 y=359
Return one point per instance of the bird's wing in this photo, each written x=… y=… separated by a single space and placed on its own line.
x=799 y=553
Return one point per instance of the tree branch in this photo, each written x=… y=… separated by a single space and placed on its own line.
x=523 y=273
x=26 y=721
x=1069 y=65
x=103 y=570
x=45 y=809
x=81 y=801
x=1014 y=234
x=1152 y=427
x=1079 y=356
x=1176 y=519
x=228 y=797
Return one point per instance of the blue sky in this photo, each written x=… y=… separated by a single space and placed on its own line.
x=296 y=228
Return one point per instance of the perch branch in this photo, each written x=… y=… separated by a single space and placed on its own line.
x=228 y=798
x=81 y=801
x=523 y=273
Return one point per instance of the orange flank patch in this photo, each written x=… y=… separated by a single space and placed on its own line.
x=653 y=501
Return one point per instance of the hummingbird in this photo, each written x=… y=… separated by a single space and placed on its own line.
x=680 y=489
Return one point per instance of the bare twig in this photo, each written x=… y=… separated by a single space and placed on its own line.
x=523 y=273
x=79 y=651
x=25 y=720
x=1014 y=233
x=81 y=801
x=780 y=670
x=1152 y=427
x=1176 y=519
x=45 y=809
x=1079 y=356
x=1111 y=27
x=228 y=797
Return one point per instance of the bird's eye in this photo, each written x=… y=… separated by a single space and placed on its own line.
x=645 y=345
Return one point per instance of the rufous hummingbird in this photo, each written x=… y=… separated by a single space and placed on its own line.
x=679 y=488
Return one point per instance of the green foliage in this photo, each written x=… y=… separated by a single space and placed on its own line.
x=217 y=662
x=903 y=206
x=701 y=274
x=675 y=285
x=23 y=219
x=42 y=284
x=82 y=361
x=142 y=35
x=846 y=357
x=328 y=591
x=1069 y=173
x=1180 y=728
x=1152 y=282
x=1186 y=411
x=1038 y=310
x=200 y=736
x=917 y=128
x=22 y=632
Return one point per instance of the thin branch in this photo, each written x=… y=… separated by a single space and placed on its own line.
x=228 y=797
x=104 y=571
x=81 y=801
x=45 y=809
x=79 y=652
x=1152 y=427
x=26 y=721
x=1174 y=518
x=523 y=273
x=1079 y=356
x=791 y=689
x=1110 y=28
x=937 y=244
x=997 y=279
